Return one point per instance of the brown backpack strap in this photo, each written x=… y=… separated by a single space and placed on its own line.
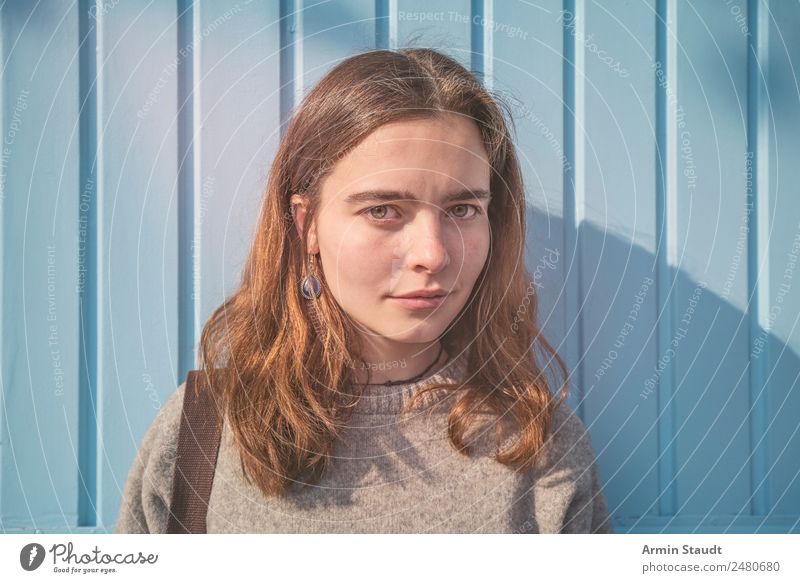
x=198 y=445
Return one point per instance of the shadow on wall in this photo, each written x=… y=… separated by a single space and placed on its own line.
x=685 y=442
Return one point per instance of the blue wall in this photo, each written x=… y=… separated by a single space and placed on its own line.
x=660 y=147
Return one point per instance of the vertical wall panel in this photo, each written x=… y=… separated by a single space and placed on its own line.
x=781 y=21
x=617 y=246
x=138 y=67
x=532 y=89
x=710 y=362
x=40 y=438
x=574 y=93
x=236 y=125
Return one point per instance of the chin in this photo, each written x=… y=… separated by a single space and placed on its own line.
x=414 y=332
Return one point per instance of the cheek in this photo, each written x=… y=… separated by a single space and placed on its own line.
x=352 y=257
x=476 y=252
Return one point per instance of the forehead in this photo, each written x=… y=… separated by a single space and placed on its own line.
x=424 y=156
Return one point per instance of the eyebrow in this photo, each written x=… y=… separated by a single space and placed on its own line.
x=393 y=195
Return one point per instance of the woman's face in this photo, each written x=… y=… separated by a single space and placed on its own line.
x=406 y=210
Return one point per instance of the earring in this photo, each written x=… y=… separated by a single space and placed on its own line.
x=310 y=286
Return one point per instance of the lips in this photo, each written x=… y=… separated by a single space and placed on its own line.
x=423 y=294
x=419 y=302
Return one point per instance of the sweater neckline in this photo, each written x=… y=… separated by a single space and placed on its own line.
x=391 y=399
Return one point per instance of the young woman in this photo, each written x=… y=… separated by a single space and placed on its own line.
x=374 y=369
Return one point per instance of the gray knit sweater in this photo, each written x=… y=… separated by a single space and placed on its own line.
x=389 y=474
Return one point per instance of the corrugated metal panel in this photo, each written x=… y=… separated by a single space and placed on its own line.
x=659 y=145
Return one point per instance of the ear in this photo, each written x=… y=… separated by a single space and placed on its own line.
x=299 y=206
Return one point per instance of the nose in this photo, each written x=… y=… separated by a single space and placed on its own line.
x=427 y=250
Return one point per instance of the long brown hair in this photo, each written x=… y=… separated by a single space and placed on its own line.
x=280 y=365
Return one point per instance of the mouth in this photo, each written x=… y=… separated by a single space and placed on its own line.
x=419 y=302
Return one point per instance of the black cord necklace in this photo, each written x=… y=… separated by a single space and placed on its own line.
x=413 y=379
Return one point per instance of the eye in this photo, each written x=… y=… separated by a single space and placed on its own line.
x=476 y=210
x=380 y=216
x=380 y=213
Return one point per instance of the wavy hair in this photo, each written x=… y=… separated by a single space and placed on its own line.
x=281 y=367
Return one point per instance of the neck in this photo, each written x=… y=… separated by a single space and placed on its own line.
x=384 y=360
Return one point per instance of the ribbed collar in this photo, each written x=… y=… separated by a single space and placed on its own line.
x=391 y=399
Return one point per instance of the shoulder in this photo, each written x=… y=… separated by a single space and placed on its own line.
x=159 y=445
x=148 y=488
x=163 y=446
x=569 y=436
x=568 y=492
x=568 y=447
x=168 y=419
